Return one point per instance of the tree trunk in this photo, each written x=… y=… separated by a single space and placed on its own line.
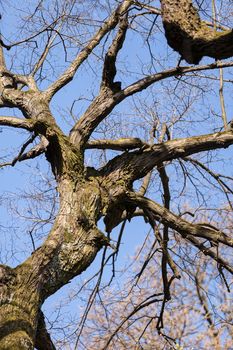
x=19 y=309
x=69 y=249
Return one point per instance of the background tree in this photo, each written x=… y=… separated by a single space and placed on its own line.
x=148 y=139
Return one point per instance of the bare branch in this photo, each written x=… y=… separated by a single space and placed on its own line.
x=155 y=227
x=177 y=71
x=109 y=70
x=222 y=102
x=149 y=301
x=142 y=161
x=180 y=225
x=203 y=301
x=17 y=122
x=108 y=25
x=49 y=27
x=105 y=102
x=30 y=140
x=216 y=176
x=42 y=58
x=117 y=145
x=166 y=200
x=145 y=184
x=209 y=252
x=152 y=9
x=35 y=151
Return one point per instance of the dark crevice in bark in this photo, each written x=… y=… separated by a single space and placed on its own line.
x=43 y=340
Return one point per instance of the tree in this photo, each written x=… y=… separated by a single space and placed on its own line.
x=110 y=191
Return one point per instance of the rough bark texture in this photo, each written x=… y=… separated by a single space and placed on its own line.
x=69 y=249
x=191 y=37
x=74 y=239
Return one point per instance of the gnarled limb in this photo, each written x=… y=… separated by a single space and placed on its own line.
x=137 y=164
x=191 y=37
x=107 y=26
x=130 y=166
x=180 y=225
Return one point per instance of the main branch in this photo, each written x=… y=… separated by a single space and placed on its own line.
x=175 y=222
x=137 y=164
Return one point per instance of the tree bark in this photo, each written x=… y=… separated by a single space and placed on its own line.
x=191 y=37
x=69 y=249
x=18 y=311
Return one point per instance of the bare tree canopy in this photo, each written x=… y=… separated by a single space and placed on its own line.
x=112 y=97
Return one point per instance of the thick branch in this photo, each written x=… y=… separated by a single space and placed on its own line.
x=117 y=145
x=108 y=25
x=17 y=122
x=191 y=37
x=180 y=225
x=137 y=164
